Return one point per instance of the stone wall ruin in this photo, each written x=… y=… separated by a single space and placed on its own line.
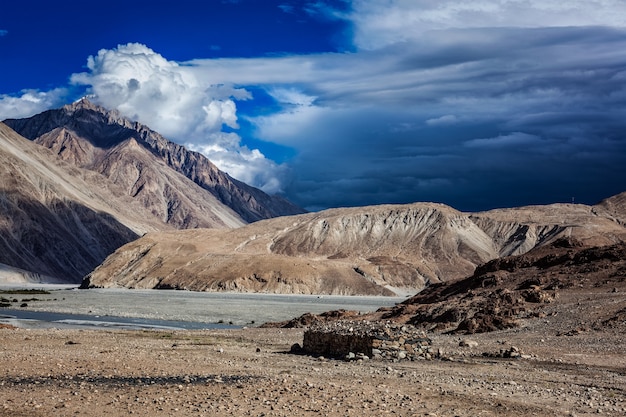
x=367 y=340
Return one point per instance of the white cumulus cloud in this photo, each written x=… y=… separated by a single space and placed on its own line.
x=245 y=164
x=169 y=98
x=145 y=86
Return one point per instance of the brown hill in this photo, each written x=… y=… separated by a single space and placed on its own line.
x=366 y=250
x=615 y=207
x=180 y=187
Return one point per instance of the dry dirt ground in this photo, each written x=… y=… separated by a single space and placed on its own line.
x=247 y=372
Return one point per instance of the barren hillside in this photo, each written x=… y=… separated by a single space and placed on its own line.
x=366 y=250
x=584 y=286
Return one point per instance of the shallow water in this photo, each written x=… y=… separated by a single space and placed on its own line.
x=46 y=320
x=161 y=307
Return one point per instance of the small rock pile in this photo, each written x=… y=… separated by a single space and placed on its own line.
x=363 y=340
x=510 y=353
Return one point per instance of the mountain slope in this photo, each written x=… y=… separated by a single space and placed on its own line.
x=97 y=139
x=365 y=250
x=56 y=220
x=565 y=275
x=614 y=207
x=517 y=230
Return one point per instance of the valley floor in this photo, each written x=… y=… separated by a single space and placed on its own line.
x=247 y=372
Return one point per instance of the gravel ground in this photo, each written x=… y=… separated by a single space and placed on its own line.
x=247 y=372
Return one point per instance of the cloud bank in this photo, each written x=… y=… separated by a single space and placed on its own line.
x=30 y=102
x=379 y=23
x=475 y=118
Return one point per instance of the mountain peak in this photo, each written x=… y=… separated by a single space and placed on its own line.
x=82 y=102
x=84 y=106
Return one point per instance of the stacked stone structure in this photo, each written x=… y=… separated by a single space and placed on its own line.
x=367 y=340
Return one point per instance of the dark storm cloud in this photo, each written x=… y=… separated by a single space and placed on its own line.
x=473 y=118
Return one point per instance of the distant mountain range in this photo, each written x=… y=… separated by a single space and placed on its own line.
x=103 y=181
x=152 y=169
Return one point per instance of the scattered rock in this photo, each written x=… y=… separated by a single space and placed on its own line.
x=468 y=343
x=573 y=332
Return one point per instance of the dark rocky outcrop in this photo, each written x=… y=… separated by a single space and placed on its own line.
x=503 y=293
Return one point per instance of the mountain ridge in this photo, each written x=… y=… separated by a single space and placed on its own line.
x=383 y=249
x=86 y=180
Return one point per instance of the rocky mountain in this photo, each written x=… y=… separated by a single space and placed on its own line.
x=57 y=221
x=180 y=187
x=99 y=181
x=367 y=250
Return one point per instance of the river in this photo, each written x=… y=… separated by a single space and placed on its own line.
x=171 y=309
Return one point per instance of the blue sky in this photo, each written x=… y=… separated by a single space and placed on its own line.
x=481 y=104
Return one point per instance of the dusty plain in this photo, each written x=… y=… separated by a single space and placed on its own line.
x=249 y=372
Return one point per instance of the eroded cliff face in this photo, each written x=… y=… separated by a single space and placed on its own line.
x=367 y=250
